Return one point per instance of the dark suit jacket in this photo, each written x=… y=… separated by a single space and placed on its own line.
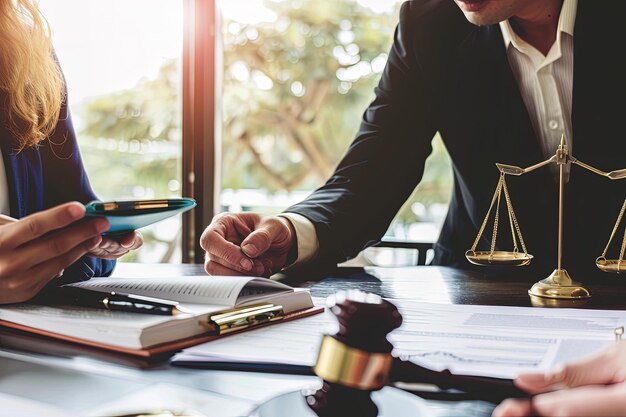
x=48 y=175
x=445 y=74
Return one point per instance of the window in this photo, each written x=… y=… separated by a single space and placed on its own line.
x=290 y=85
x=122 y=63
x=297 y=76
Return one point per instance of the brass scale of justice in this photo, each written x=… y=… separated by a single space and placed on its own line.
x=559 y=285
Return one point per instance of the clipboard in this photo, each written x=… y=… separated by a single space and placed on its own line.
x=126 y=216
x=164 y=348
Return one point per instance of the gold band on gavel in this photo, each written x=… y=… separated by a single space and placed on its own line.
x=351 y=367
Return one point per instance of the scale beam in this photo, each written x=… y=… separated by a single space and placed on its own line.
x=613 y=175
x=559 y=285
x=514 y=170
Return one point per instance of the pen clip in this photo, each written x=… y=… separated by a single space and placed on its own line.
x=244 y=318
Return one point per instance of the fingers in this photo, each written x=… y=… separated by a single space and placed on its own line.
x=27 y=284
x=513 y=408
x=228 y=254
x=114 y=248
x=213 y=268
x=55 y=265
x=536 y=382
x=108 y=249
x=596 y=400
x=222 y=239
x=38 y=224
x=230 y=227
x=51 y=247
x=258 y=268
x=6 y=219
x=272 y=232
x=594 y=385
x=217 y=247
x=130 y=241
x=603 y=367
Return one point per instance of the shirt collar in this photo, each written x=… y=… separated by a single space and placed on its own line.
x=566 y=24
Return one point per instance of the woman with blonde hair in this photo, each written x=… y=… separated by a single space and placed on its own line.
x=42 y=178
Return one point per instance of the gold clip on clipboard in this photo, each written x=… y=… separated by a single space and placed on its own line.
x=244 y=318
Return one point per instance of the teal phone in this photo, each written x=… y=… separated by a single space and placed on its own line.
x=126 y=216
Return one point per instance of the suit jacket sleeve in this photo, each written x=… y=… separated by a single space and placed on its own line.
x=65 y=180
x=385 y=161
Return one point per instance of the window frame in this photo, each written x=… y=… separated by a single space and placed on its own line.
x=201 y=122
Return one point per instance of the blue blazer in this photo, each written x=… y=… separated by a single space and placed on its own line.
x=47 y=175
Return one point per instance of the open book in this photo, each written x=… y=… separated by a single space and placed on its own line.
x=147 y=334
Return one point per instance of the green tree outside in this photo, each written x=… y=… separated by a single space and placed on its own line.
x=294 y=90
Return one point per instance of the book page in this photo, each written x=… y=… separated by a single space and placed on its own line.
x=117 y=328
x=227 y=291
x=38 y=316
x=259 y=289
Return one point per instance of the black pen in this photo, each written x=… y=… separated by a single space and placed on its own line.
x=113 y=301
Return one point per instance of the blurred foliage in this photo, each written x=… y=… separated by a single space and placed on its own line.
x=131 y=139
x=131 y=145
x=294 y=92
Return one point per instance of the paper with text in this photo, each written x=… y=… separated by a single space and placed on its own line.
x=471 y=340
x=212 y=290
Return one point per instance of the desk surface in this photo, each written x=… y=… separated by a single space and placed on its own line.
x=80 y=380
x=423 y=283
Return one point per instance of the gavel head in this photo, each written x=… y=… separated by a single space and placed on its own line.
x=357 y=359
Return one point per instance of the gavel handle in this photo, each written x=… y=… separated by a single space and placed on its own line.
x=480 y=388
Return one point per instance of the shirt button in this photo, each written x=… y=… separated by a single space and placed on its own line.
x=553 y=124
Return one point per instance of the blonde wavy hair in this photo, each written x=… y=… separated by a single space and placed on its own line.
x=31 y=84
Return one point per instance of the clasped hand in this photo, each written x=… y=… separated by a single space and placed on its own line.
x=38 y=248
x=247 y=244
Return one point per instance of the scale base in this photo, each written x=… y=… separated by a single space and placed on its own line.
x=559 y=285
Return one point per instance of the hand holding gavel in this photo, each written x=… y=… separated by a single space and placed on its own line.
x=357 y=360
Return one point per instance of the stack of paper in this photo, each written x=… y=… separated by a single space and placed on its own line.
x=471 y=340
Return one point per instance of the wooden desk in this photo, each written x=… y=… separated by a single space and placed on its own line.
x=81 y=379
x=457 y=286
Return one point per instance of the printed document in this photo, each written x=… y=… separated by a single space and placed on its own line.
x=466 y=339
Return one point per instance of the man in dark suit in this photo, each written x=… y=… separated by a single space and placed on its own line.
x=498 y=80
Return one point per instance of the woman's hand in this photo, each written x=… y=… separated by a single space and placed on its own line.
x=593 y=386
x=115 y=247
x=37 y=248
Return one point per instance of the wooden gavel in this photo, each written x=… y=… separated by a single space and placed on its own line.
x=357 y=360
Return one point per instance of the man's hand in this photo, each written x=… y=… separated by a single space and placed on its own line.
x=115 y=247
x=593 y=386
x=247 y=244
x=30 y=255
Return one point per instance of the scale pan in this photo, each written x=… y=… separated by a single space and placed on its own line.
x=611 y=265
x=504 y=258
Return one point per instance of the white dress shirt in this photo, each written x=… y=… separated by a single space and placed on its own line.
x=5 y=207
x=545 y=83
